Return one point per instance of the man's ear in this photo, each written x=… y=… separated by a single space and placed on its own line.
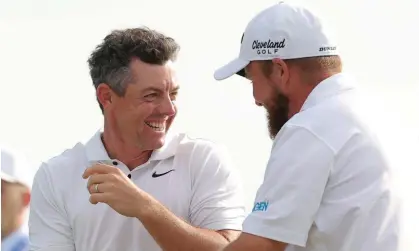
x=26 y=197
x=281 y=71
x=104 y=95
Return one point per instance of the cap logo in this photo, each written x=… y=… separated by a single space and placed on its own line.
x=327 y=48
x=267 y=47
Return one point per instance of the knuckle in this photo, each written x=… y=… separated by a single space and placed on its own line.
x=115 y=176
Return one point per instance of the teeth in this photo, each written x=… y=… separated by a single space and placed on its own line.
x=156 y=125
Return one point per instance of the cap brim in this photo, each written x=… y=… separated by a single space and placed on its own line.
x=234 y=67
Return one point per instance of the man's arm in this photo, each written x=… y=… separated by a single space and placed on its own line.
x=288 y=200
x=247 y=242
x=172 y=233
x=216 y=210
x=49 y=229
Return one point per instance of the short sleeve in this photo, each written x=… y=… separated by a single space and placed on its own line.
x=290 y=196
x=217 y=195
x=49 y=229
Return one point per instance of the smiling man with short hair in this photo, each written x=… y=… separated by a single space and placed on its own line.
x=132 y=186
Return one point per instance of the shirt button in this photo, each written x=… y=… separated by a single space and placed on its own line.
x=129 y=176
x=115 y=163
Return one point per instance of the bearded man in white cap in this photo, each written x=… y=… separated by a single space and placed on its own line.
x=327 y=184
x=15 y=197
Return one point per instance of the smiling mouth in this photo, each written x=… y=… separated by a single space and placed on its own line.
x=156 y=126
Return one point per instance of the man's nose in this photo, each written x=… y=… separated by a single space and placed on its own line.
x=258 y=103
x=168 y=107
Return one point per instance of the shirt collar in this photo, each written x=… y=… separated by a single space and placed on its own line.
x=96 y=151
x=331 y=86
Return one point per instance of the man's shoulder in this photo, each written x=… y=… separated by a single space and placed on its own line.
x=208 y=158
x=332 y=122
x=190 y=144
x=194 y=149
x=66 y=163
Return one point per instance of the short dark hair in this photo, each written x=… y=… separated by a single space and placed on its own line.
x=109 y=62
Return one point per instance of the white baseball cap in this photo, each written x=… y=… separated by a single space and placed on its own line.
x=284 y=30
x=15 y=168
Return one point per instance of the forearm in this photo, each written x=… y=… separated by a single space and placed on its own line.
x=172 y=233
x=249 y=242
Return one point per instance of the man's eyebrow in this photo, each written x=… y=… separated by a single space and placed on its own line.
x=176 y=89
x=151 y=89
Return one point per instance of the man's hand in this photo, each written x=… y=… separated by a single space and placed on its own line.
x=109 y=185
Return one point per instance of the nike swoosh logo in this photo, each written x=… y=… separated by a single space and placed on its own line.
x=155 y=175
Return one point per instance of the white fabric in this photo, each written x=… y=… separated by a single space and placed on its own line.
x=15 y=167
x=328 y=185
x=284 y=30
x=204 y=190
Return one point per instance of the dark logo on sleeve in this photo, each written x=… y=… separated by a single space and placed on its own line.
x=267 y=47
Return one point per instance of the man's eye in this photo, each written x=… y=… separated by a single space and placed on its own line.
x=173 y=95
x=152 y=95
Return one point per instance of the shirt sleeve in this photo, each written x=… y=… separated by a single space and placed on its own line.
x=49 y=229
x=217 y=196
x=295 y=178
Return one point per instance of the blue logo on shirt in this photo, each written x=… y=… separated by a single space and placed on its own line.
x=261 y=206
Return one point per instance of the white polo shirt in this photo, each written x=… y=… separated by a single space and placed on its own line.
x=203 y=190
x=327 y=185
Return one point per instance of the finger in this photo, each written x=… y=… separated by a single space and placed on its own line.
x=95 y=188
x=101 y=188
x=98 y=168
x=98 y=198
x=98 y=178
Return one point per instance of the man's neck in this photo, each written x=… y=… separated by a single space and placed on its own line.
x=298 y=101
x=116 y=149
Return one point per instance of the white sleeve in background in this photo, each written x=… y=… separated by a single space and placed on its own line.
x=217 y=197
x=49 y=229
x=295 y=178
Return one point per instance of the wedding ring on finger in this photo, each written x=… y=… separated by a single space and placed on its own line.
x=97 y=188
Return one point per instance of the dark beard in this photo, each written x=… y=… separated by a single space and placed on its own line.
x=277 y=114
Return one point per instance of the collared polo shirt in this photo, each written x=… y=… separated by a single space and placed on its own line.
x=328 y=183
x=203 y=189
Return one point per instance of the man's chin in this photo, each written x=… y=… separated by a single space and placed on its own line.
x=159 y=144
x=157 y=141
